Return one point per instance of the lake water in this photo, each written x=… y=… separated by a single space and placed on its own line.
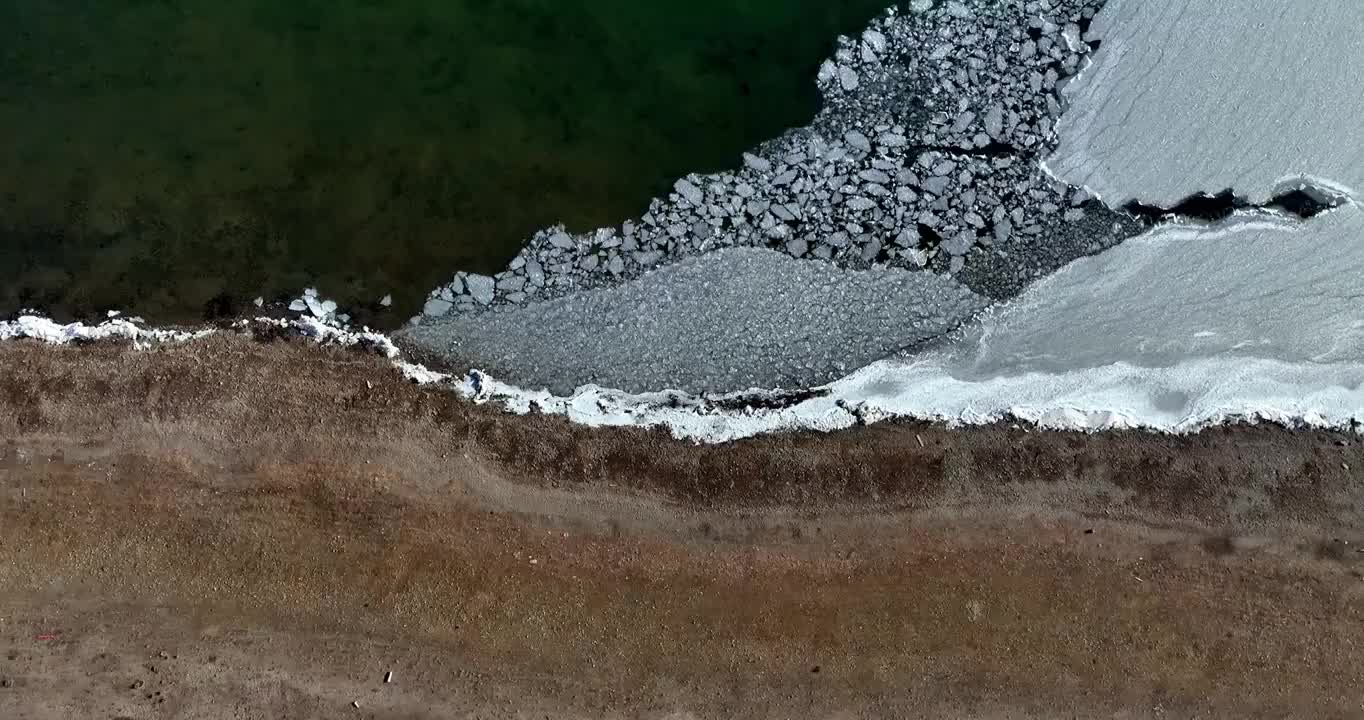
x=177 y=158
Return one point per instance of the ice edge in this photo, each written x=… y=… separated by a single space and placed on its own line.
x=1091 y=400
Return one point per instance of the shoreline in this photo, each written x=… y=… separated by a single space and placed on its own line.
x=623 y=452
x=707 y=418
x=272 y=526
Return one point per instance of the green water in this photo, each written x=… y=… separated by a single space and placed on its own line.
x=179 y=157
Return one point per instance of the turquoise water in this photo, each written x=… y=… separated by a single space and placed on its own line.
x=177 y=158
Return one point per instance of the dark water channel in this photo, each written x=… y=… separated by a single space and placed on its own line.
x=176 y=158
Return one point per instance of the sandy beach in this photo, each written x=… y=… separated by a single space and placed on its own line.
x=240 y=528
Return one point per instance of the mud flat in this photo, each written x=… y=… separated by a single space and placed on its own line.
x=235 y=528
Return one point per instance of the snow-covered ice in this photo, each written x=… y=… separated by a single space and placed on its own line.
x=1189 y=96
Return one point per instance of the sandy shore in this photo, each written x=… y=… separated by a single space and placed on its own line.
x=237 y=529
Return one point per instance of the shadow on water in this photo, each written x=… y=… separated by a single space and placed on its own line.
x=179 y=157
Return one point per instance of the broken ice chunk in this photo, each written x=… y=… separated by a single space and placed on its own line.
x=481 y=288
x=690 y=192
x=847 y=77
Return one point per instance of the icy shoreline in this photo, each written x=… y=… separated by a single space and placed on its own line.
x=1242 y=333
x=1181 y=328
x=1090 y=400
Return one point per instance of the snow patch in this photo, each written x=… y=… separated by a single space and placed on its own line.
x=49 y=331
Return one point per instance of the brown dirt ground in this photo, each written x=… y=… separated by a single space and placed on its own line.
x=239 y=529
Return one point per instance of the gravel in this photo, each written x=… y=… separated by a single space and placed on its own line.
x=729 y=320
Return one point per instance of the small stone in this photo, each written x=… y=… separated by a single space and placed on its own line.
x=561 y=240
x=797 y=247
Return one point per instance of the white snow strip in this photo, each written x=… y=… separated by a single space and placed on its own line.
x=49 y=331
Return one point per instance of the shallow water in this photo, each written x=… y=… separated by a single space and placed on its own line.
x=179 y=157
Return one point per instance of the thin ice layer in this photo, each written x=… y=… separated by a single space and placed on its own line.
x=1187 y=96
x=729 y=320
